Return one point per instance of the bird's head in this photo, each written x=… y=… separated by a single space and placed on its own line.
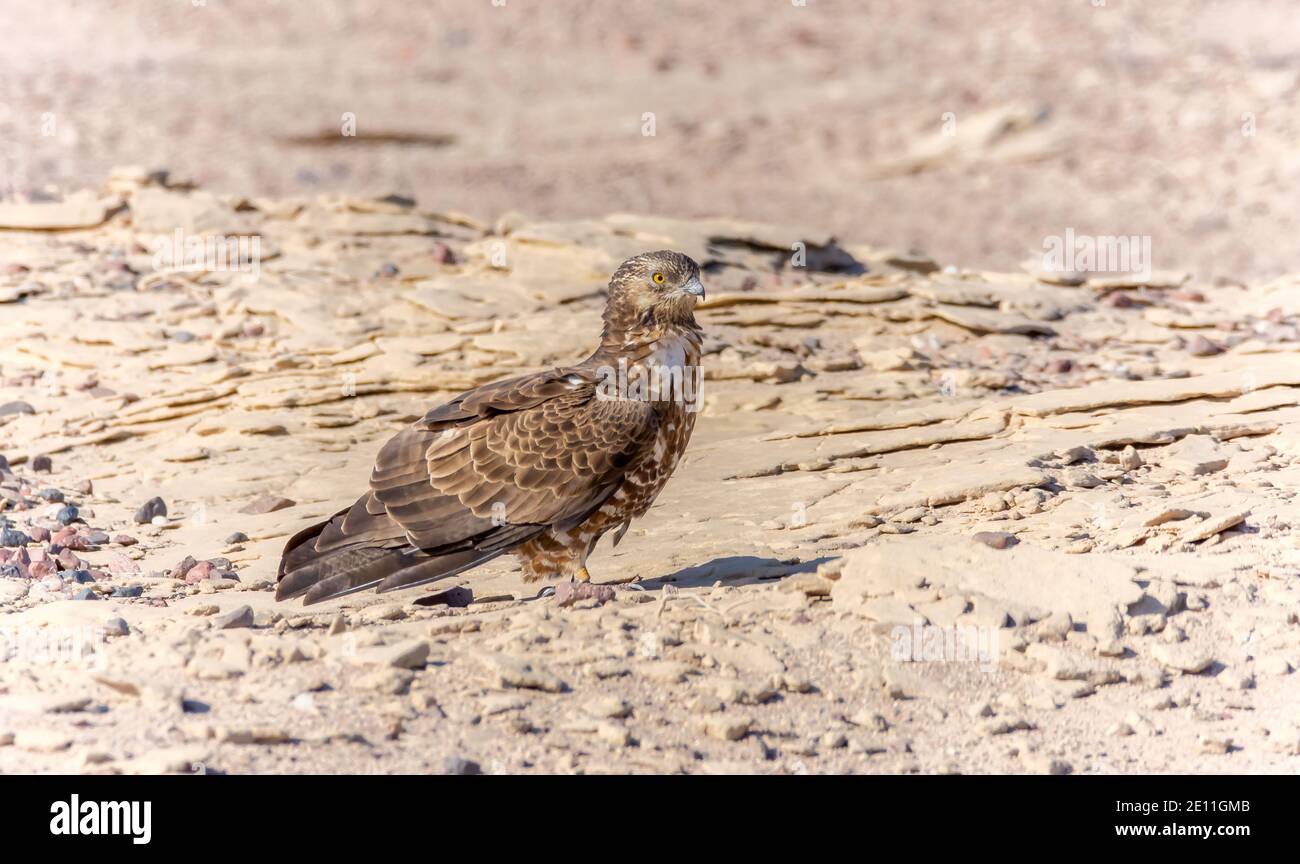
x=653 y=290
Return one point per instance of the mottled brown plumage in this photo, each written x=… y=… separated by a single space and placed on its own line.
x=540 y=465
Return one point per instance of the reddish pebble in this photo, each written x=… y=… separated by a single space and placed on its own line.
x=125 y=540
x=184 y=567
x=568 y=593
x=83 y=487
x=199 y=572
x=39 y=534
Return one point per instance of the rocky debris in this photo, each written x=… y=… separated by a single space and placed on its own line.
x=915 y=494
x=727 y=727
x=409 y=654
x=507 y=671
x=1213 y=526
x=1195 y=455
x=1183 y=658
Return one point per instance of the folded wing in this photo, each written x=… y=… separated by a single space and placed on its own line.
x=476 y=477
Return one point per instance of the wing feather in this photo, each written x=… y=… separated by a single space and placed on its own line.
x=545 y=447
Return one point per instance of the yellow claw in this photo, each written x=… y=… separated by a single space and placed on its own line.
x=582 y=575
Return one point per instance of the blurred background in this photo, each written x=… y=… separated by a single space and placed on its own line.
x=970 y=130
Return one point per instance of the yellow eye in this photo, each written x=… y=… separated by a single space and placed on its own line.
x=659 y=278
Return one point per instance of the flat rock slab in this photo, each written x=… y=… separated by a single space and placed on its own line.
x=1095 y=589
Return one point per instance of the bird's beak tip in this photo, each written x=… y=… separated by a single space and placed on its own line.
x=695 y=288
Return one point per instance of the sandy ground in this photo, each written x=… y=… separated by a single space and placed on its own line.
x=932 y=520
x=1163 y=118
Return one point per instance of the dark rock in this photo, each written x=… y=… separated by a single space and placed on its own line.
x=13 y=537
x=128 y=591
x=97 y=538
x=151 y=508
x=81 y=577
x=85 y=594
x=16 y=408
x=1060 y=366
x=457 y=765
x=67 y=515
x=42 y=464
x=237 y=537
x=54 y=496
x=457 y=598
x=124 y=540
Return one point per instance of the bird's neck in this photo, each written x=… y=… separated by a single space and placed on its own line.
x=654 y=342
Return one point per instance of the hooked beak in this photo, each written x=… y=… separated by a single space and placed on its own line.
x=695 y=288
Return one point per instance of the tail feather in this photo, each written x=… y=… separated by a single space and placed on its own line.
x=385 y=564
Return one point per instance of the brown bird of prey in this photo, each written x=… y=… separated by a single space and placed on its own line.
x=540 y=465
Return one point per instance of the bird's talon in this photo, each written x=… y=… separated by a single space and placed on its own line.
x=582 y=576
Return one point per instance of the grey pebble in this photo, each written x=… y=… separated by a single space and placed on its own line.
x=153 y=507
x=235 y=618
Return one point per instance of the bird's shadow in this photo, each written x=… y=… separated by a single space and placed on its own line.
x=732 y=570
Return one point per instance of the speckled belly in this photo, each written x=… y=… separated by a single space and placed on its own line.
x=556 y=555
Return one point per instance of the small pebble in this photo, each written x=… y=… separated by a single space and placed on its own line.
x=235 y=618
x=150 y=510
x=995 y=539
